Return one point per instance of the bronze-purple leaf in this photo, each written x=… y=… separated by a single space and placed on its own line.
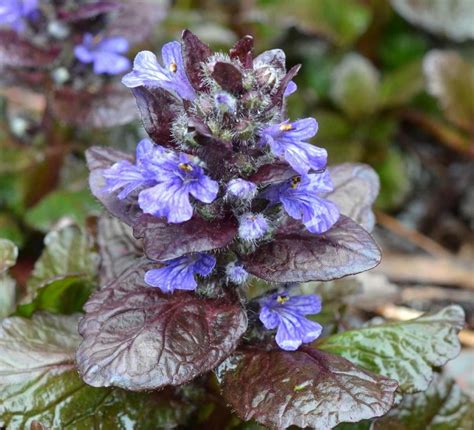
x=98 y=159
x=158 y=109
x=356 y=187
x=87 y=11
x=138 y=338
x=305 y=388
x=242 y=51
x=137 y=20
x=277 y=98
x=195 y=52
x=17 y=52
x=118 y=249
x=271 y=173
x=296 y=255
x=109 y=107
x=164 y=241
x=228 y=77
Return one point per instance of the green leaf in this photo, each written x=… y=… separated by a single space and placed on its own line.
x=355 y=86
x=39 y=383
x=7 y=295
x=452 y=18
x=8 y=254
x=404 y=351
x=9 y=228
x=451 y=80
x=342 y=21
x=443 y=406
x=64 y=275
x=68 y=252
x=74 y=205
x=401 y=85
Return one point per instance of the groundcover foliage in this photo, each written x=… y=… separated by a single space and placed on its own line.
x=225 y=193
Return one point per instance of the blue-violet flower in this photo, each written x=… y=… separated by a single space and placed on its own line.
x=166 y=179
x=299 y=197
x=14 y=12
x=252 y=226
x=178 y=274
x=172 y=77
x=241 y=189
x=105 y=53
x=236 y=273
x=287 y=140
x=287 y=314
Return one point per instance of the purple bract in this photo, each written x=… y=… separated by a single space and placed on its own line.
x=105 y=53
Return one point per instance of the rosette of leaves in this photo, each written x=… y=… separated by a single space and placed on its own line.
x=217 y=121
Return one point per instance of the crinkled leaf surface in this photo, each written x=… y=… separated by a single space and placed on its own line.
x=138 y=338
x=450 y=18
x=450 y=79
x=7 y=295
x=63 y=276
x=16 y=52
x=8 y=254
x=68 y=252
x=163 y=241
x=356 y=187
x=158 y=108
x=404 y=351
x=297 y=255
x=73 y=205
x=118 y=249
x=306 y=388
x=98 y=159
x=39 y=383
x=109 y=107
x=443 y=406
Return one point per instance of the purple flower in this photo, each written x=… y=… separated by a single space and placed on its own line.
x=14 y=12
x=166 y=180
x=290 y=89
x=178 y=274
x=287 y=140
x=236 y=273
x=287 y=315
x=172 y=77
x=241 y=189
x=104 y=53
x=252 y=226
x=299 y=197
x=225 y=102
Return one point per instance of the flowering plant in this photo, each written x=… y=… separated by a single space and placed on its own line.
x=228 y=193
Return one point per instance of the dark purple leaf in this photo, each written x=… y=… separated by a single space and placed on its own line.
x=99 y=159
x=163 y=241
x=194 y=53
x=118 y=249
x=228 y=77
x=87 y=11
x=305 y=388
x=137 y=20
x=158 y=109
x=242 y=51
x=277 y=98
x=297 y=255
x=270 y=173
x=138 y=338
x=355 y=189
x=108 y=107
x=16 y=52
